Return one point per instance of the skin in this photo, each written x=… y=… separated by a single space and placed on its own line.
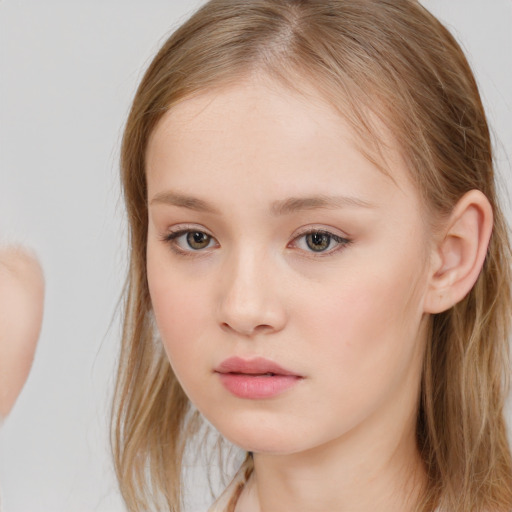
x=21 y=307
x=352 y=321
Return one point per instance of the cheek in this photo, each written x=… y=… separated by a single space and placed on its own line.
x=180 y=312
x=366 y=330
x=180 y=323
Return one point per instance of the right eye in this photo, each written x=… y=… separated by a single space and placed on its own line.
x=190 y=240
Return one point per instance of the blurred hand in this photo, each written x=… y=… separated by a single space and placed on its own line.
x=21 y=314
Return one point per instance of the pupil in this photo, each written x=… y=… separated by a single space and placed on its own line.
x=198 y=240
x=318 y=241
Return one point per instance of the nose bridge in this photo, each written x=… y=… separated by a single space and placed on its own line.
x=248 y=301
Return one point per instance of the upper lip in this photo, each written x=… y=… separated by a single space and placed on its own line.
x=256 y=366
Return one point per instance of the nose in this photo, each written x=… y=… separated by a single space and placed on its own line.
x=249 y=301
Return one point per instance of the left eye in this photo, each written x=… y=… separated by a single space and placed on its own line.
x=319 y=241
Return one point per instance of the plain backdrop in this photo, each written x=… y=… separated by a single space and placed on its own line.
x=68 y=70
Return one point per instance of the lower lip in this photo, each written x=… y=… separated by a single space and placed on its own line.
x=257 y=386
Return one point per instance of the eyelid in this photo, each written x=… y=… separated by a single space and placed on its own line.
x=320 y=228
x=182 y=228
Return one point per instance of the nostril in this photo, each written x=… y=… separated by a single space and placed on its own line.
x=247 y=330
x=263 y=328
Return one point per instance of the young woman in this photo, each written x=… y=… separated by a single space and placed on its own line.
x=319 y=265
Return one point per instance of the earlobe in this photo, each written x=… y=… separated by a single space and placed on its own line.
x=459 y=255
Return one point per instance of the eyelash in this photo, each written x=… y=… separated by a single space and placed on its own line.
x=171 y=239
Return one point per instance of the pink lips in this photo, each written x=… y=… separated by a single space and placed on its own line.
x=255 y=378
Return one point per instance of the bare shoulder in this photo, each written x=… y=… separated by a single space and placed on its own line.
x=21 y=313
x=20 y=264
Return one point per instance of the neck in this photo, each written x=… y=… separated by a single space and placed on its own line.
x=364 y=486
x=373 y=467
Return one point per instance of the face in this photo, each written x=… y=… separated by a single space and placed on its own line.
x=287 y=273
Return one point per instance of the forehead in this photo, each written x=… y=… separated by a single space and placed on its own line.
x=260 y=123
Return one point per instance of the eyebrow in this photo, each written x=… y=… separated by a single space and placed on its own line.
x=278 y=208
x=294 y=204
x=184 y=201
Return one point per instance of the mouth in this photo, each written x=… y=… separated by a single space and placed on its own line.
x=257 y=378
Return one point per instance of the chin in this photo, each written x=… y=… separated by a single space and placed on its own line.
x=262 y=437
x=267 y=444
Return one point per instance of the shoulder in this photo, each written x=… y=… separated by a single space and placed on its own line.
x=227 y=501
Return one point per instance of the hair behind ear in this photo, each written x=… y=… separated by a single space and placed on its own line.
x=461 y=426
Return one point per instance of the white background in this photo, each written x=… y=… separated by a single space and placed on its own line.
x=68 y=70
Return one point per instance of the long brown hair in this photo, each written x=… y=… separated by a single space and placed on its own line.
x=391 y=59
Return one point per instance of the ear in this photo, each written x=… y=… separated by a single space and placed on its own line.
x=458 y=256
